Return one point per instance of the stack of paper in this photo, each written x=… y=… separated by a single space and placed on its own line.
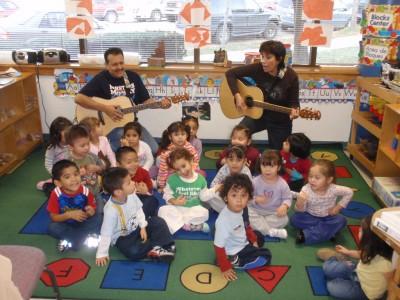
x=10 y=72
x=389 y=222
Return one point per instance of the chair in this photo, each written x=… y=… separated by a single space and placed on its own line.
x=28 y=263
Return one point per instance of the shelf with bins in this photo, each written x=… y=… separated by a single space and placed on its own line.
x=20 y=126
x=366 y=124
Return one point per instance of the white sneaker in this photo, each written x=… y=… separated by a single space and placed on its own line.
x=92 y=241
x=279 y=233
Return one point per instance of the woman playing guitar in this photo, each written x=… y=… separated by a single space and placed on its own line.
x=279 y=85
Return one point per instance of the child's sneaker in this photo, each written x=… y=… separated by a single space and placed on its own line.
x=63 y=245
x=171 y=248
x=161 y=254
x=279 y=233
x=256 y=263
x=92 y=240
x=199 y=227
x=326 y=253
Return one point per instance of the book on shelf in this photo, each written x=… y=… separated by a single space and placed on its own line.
x=6 y=80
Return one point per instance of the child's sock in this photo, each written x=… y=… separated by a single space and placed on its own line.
x=279 y=233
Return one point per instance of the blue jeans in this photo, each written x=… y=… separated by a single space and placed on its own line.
x=76 y=232
x=317 y=229
x=342 y=280
x=115 y=136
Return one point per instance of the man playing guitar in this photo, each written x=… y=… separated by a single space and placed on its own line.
x=113 y=82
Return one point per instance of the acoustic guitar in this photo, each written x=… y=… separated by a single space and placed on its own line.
x=253 y=97
x=124 y=105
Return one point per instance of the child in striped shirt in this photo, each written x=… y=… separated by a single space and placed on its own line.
x=317 y=211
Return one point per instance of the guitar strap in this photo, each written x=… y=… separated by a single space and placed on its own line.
x=128 y=91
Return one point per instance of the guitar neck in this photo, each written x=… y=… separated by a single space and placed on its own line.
x=272 y=107
x=139 y=107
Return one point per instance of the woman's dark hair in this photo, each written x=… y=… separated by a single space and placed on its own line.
x=300 y=145
x=174 y=127
x=372 y=245
x=133 y=126
x=270 y=157
x=112 y=51
x=113 y=179
x=58 y=125
x=190 y=118
x=277 y=49
x=60 y=166
x=236 y=181
x=178 y=154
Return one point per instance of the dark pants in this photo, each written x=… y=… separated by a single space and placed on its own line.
x=157 y=235
x=317 y=229
x=296 y=185
x=150 y=205
x=250 y=253
x=277 y=133
x=76 y=232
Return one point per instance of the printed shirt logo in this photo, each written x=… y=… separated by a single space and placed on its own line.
x=119 y=90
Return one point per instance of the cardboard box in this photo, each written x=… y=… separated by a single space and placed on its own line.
x=387 y=189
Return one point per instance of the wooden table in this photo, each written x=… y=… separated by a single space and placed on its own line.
x=394 y=285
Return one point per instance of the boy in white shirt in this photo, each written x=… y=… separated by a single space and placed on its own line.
x=125 y=225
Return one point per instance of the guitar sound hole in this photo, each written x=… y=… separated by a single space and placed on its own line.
x=249 y=101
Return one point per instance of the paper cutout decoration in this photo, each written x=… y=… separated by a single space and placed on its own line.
x=196 y=13
x=80 y=27
x=196 y=37
x=318 y=9
x=78 y=7
x=314 y=35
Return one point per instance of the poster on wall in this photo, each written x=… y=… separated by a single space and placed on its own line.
x=67 y=83
x=316 y=35
x=374 y=50
x=197 y=37
x=79 y=20
x=382 y=21
x=199 y=110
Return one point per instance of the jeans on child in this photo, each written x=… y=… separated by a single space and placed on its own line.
x=75 y=232
x=342 y=280
x=115 y=139
x=150 y=205
x=157 y=235
x=317 y=229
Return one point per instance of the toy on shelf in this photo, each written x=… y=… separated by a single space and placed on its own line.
x=391 y=77
x=395 y=141
x=221 y=58
x=369 y=148
x=158 y=58
x=377 y=107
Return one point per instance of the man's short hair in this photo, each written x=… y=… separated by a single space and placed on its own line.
x=112 y=51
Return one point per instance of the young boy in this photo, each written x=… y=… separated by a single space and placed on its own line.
x=231 y=242
x=89 y=164
x=235 y=164
x=127 y=158
x=125 y=225
x=72 y=208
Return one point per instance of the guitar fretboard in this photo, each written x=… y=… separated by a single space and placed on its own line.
x=139 y=107
x=273 y=107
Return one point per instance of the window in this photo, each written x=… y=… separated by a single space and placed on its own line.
x=239 y=26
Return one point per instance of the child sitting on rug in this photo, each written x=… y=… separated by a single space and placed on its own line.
x=131 y=138
x=236 y=246
x=127 y=158
x=183 y=209
x=367 y=279
x=235 y=164
x=125 y=224
x=318 y=212
x=272 y=197
x=193 y=124
x=296 y=162
x=90 y=165
x=72 y=208
x=241 y=136
x=99 y=144
x=57 y=150
x=174 y=137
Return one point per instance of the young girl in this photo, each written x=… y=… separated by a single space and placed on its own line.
x=236 y=246
x=369 y=278
x=235 y=164
x=183 y=209
x=57 y=150
x=317 y=216
x=131 y=138
x=241 y=136
x=193 y=124
x=272 y=197
x=99 y=144
x=175 y=136
x=296 y=163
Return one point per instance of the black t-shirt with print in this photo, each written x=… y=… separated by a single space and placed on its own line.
x=105 y=86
